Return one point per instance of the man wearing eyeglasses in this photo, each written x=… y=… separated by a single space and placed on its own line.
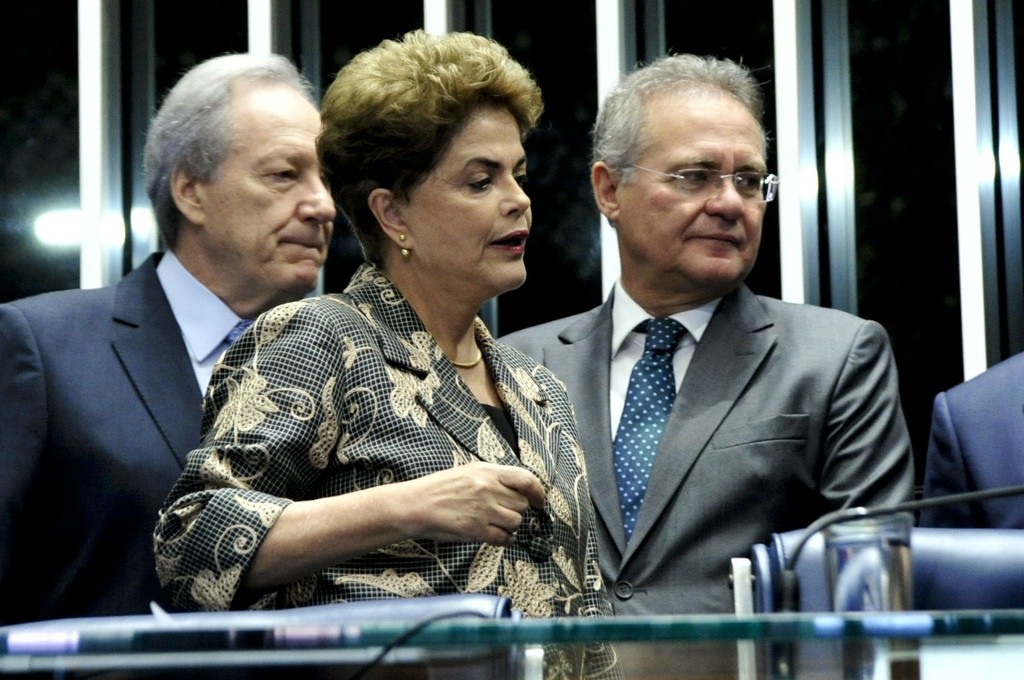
x=771 y=413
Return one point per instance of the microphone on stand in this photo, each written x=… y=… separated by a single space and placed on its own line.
x=789 y=587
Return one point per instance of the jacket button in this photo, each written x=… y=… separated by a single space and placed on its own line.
x=623 y=590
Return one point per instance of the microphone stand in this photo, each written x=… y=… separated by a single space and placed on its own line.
x=789 y=587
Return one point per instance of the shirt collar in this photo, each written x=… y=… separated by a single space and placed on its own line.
x=627 y=314
x=203 y=317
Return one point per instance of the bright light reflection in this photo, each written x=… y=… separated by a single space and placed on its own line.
x=838 y=169
x=808 y=184
x=64 y=228
x=986 y=166
x=1009 y=161
x=60 y=228
x=143 y=224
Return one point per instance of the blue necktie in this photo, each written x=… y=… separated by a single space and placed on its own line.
x=652 y=388
x=237 y=331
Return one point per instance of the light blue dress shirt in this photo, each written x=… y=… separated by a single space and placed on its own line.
x=203 y=317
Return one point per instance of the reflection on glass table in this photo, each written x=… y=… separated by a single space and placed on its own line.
x=870 y=646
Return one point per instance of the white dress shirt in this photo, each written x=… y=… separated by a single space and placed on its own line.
x=628 y=345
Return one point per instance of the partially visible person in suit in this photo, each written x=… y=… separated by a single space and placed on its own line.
x=378 y=443
x=778 y=412
x=977 y=443
x=102 y=389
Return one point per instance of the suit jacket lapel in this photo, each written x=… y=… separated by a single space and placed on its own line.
x=408 y=346
x=164 y=379
x=583 y=363
x=458 y=412
x=525 y=400
x=736 y=341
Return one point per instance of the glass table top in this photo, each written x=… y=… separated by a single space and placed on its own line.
x=251 y=644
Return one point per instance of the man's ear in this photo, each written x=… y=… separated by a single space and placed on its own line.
x=605 y=183
x=388 y=211
x=188 y=197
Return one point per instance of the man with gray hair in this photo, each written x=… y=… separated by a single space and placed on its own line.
x=710 y=416
x=103 y=388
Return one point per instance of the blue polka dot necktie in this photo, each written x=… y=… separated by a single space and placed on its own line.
x=652 y=388
x=237 y=331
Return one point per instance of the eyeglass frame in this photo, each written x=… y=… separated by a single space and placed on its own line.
x=768 y=188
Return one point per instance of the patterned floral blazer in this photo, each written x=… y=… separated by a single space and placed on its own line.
x=338 y=393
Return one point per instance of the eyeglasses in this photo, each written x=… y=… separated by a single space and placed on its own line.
x=749 y=184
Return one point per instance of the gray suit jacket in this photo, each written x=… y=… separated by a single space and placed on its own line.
x=100 y=406
x=786 y=412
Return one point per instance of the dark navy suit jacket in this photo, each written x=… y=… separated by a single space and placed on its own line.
x=99 y=405
x=977 y=442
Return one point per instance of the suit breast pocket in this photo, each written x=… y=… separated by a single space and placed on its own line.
x=786 y=427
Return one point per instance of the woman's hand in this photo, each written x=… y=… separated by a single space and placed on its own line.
x=478 y=502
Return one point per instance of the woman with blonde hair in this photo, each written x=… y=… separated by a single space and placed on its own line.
x=379 y=443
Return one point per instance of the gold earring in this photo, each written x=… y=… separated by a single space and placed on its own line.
x=405 y=253
x=401 y=237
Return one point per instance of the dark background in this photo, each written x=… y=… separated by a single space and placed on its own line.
x=906 y=257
